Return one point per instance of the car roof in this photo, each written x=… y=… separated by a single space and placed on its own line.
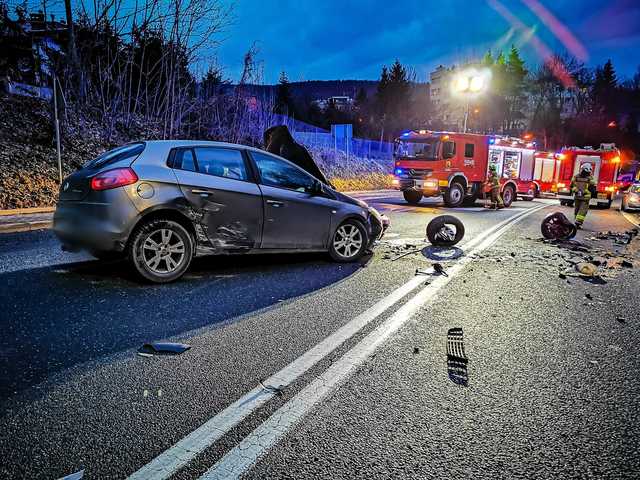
x=195 y=143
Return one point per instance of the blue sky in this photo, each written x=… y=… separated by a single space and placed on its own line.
x=333 y=39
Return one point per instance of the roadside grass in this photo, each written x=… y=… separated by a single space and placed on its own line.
x=368 y=181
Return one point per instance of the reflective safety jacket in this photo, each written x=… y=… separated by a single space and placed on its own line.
x=581 y=187
x=494 y=181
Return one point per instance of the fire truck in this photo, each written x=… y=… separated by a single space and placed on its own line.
x=605 y=163
x=456 y=166
x=545 y=172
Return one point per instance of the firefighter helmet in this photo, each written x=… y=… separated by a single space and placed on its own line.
x=586 y=168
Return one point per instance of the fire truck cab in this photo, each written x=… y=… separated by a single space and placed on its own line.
x=454 y=165
x=605 y=164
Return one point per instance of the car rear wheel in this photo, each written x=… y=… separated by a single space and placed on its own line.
x=349 y=242
x=412 y=196
x=160 y=251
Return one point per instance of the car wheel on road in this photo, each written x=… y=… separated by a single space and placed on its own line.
x=349 y=242
x=161 y=251
x=454 y=196
x=508 y=195
x=412 y=196
x=445 y=231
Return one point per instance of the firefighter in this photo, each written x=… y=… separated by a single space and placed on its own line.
x=493 y=183
x=581 y=187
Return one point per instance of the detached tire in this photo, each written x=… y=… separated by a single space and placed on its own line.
x=439 y=231
x=412 y=196
x=160 y=251
x=349 y=242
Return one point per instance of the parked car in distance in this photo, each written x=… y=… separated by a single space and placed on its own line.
x=160 y=203
x=631 y=197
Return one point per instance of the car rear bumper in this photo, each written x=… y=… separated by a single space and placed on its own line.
x=102 y=226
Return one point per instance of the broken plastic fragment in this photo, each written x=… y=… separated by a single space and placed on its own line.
x=163 y=348
x=587 y=269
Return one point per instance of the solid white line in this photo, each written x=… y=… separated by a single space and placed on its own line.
x=244 y=455
x=185 y=450
x=632 y=220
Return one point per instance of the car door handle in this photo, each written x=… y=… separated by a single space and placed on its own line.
x=201 y=192
x=275 y=203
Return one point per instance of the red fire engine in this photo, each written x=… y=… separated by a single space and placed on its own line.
x=456 y=165
x=545 y=172
x=605 y=163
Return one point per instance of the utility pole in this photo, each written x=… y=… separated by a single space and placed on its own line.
x=72 y=37
x=57 y=126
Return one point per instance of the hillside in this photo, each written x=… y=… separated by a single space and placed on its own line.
x=28 y=162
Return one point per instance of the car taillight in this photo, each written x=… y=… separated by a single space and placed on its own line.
x=118 y=177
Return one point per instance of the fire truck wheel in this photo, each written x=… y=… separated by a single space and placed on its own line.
x=454 y=196
x=508 y=195
x=445 y=231
x=412 y=196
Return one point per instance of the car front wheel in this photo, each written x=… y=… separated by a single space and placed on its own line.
x=349 y=242
x=160 y=251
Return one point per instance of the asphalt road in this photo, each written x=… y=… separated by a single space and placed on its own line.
x=551 y=380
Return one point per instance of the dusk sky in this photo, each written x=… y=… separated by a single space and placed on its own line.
x=352 y=39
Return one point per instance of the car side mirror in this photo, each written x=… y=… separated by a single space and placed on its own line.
x=316 y=188
x=448 y=150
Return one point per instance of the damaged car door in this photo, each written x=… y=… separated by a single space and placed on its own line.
x=226 y=202
x=297 y=215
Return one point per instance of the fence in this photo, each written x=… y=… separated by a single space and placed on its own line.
x=318 y=138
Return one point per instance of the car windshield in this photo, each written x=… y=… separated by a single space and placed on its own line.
x=121 y=153
x=425 y=150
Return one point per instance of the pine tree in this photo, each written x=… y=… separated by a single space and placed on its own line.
x=284 y=100
x=605 y=89
x=488 y=59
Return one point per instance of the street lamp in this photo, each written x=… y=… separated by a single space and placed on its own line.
x=470 y=84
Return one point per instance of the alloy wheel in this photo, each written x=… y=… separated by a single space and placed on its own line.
x=163 y=251
x=347 y=241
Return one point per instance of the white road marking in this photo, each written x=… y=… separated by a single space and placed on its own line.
x=630 y=218
x=185 y=450
x=244 y=455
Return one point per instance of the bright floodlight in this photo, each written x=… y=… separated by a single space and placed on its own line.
x=476 y=84
x=462 y=83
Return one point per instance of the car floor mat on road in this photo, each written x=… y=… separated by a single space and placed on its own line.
x=456 y=358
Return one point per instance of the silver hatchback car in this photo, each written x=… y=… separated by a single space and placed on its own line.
x=159 y=203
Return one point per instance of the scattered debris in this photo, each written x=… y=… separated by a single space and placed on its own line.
x=588 y=296
x=593 y=362
x=456 y=358
x=439 y=269
x=162 y=348
x=621 y=319
x=587 y=269
x=277 y=390
x=416 y=350
x=626 y=264
x=405 y=254
x=562 y=276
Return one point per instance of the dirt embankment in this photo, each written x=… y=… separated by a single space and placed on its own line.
x=29 y=168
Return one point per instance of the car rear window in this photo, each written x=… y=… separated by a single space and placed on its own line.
x=124 y=152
